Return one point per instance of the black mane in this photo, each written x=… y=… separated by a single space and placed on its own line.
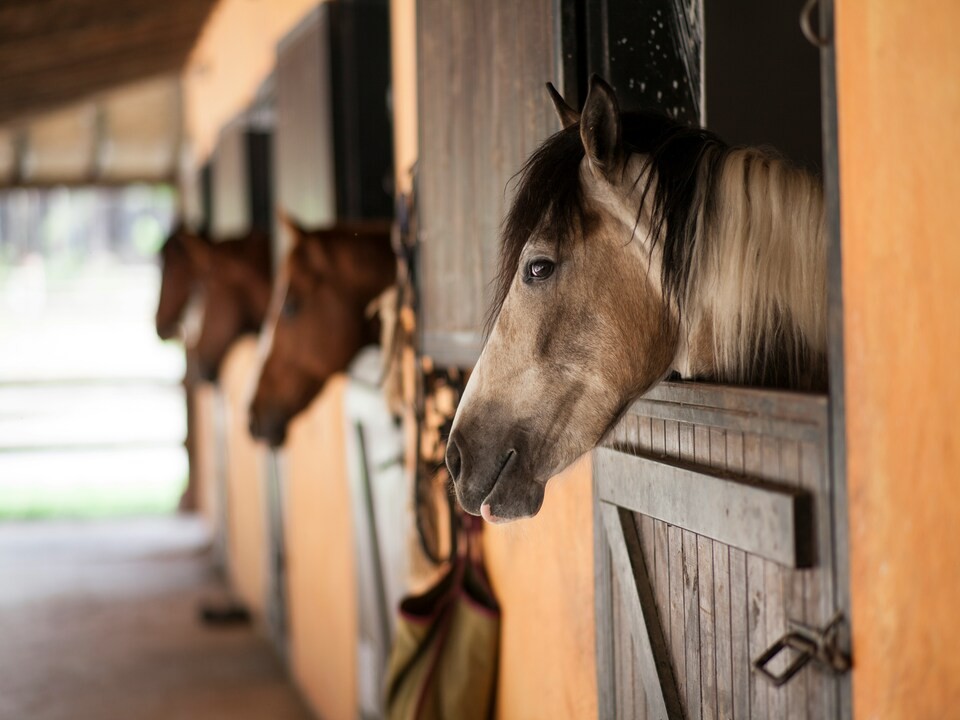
x=550 y=199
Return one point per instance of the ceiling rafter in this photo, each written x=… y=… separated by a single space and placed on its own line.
x=55 y=52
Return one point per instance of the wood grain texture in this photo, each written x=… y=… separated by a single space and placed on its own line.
x=720 y=607
x=482 y=110
x=897 y=72
x=54 y=52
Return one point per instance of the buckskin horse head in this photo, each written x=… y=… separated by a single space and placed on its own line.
x=235 y=278
x=634 y=247
x=319 y=319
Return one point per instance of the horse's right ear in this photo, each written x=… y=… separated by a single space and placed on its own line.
x=600 y=129
x=292 y=226
x=315 y=251
x=568 y=116
x=199 y=249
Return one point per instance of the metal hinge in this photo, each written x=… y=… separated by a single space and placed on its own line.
x=819 y=645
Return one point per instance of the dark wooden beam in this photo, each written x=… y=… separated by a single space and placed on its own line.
x=55 y=52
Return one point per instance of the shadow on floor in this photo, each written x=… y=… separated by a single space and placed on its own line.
x=98 y=622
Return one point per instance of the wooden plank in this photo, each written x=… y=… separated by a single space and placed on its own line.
x=722 y=631
x=721 y=597
x=452 y=349
x=691 y=614
x=631 y=572
x=757 y=517
x=456 y=273
x=822 y=699
x=708 y=663
x=661 y=582
x=686 y=440
x=708 y=628
x=744 y=422
x=773 y=582
x=740 y=667
x=644 y=435
x=657 y=437
x=794 y=588
x=756 y=601
x=623 y=683
x=677 y=645
x=796 y=407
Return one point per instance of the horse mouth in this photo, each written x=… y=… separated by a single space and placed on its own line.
x=508 y=501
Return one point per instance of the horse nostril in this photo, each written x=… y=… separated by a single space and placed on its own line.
x=453 y=459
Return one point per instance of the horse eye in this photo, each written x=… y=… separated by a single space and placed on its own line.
x=290 y=307
x=540 y=269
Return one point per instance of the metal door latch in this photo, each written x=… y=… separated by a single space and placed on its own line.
x=810 y=643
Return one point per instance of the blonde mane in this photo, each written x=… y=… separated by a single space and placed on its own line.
x=758 y=277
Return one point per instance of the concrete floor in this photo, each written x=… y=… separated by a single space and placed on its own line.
x=98 y=622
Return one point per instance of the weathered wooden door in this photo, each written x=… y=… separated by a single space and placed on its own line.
x=720 y=534
x=714 y=529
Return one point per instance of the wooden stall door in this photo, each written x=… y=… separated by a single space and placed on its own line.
x=714 y=533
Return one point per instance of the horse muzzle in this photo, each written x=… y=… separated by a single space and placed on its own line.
x=490 y=483
x=271 y=427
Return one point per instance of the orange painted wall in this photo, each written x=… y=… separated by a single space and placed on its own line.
x=246 y=470
x=542 y=573
x=403 y=68
x=899 y=112
x=234 y=54
x=208 y=499
x=321 y=574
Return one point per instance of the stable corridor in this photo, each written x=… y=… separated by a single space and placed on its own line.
x=98 y=622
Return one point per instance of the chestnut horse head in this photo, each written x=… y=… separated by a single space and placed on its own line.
x=635 y=246
x=235 y=279
x=177 y=280
x=319 y=319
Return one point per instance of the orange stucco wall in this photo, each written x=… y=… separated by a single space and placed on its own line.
x=234 y=54
x=246 y=472
x=208 y=498
x=899 y=112
x=542 y=573
x=403 y=69
x=321 y=574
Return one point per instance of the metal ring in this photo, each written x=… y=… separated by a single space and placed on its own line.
x=806 y=26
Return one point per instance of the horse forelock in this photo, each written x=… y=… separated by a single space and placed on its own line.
x=681 y=166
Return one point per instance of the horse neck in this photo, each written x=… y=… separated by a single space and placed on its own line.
x=755 y=308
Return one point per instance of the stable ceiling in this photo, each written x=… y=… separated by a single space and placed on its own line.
x=55 y=52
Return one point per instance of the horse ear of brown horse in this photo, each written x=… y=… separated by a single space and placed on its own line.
x=293 y=227
x=316 y=253
x=200 y=251
x=568 y=116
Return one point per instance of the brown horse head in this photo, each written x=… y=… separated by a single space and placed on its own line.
x=634 y=246
x=320 y=319
x=235 y=279
x=177 y=281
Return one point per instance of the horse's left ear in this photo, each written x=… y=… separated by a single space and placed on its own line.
x=568 y=116
x=200 y=251
x=315 y=251
x=600 y=129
